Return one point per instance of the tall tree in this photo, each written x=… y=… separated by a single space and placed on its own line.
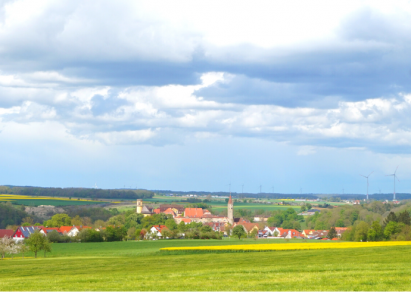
x=239 y=232
x=332 y=233
x=390 y=218
x=36 y=242
x=404 y=217
x=375 y=233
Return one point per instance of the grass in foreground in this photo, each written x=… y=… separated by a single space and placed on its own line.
x=139 y=266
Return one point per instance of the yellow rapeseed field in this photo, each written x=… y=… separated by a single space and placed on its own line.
x=287 y=246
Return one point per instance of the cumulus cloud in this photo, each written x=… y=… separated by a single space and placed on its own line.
x=154 y=73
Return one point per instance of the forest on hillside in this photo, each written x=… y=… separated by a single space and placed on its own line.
x=77 y=192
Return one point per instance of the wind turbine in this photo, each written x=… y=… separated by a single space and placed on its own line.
x=395 y=177
x=367 y=181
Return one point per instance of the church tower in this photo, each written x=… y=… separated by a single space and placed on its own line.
x=139 y=206
x=230 y=211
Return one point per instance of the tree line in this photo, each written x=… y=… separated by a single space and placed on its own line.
x=78 y=192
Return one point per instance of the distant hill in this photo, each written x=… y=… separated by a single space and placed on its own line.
x=378 y=197
x=234 y=194
x=77 y=192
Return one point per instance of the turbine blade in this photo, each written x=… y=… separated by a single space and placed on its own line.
x=371 y=173
x=396 y=170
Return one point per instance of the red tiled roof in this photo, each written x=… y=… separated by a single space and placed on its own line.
x=158 y=227
x=307 y=231
x=6 y=232
x=65 y=229
x=335 y=238
x=230 y=200
x=169 y=211
x=186 y=220
x=156 y=211
x=193 y=212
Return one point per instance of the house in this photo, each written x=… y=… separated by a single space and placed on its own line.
x=307 y=232
x=157 y=230
x=272 y=231
x=291 y=233
x=356 y=202
x=45 y=230
x=171 y=212
x=340 y=230
x=194 y=212
x=249 y=227
x=6 y=232
x=216 y=226
x=72 y=231
x=260 y=219
x=24 y=232
x=318 y=234
x=178 y=209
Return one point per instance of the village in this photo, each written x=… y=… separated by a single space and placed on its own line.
x=223 y=225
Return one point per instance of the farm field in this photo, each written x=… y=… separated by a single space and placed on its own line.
x=254 y=206
x=37 y=201
x=140 y=266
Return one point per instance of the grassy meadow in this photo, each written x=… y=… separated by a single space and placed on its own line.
x=140 y=266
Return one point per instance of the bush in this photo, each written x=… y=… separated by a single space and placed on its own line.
x=56 y=237
x=90 y=235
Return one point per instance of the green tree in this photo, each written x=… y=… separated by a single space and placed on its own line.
x=375 y=233
x=332 y=233
x=206 y=228
x=58 y=220
x=115 y=233
x=182 y=227
x=392 y=228
x=77 y=221
x=131 y=233
x=36 y=242
x=46 y=247
x=239 y=232
x=171 y=224
x=361 y=231
x=303 y=208
x=254 y=233
x=404 y=217
x=309 y=206
x=390 y=218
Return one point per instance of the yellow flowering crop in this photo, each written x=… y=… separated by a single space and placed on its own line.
x=288 y=246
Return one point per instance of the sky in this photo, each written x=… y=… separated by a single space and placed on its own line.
x=292 y=96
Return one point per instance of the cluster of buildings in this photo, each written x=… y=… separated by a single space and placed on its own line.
x=219 y=223
x=24 y=232
x=188 y=215
x=276 y=232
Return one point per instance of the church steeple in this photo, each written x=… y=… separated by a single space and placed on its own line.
x=230 y=211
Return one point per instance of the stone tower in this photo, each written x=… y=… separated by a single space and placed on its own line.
x=139 y=206
x=230 y=211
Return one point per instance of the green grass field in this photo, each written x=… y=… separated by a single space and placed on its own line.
x=35 y=203
x=139 y=266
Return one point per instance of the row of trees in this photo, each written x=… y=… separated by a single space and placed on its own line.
x=288 y=219
x=345 y=216
x=78 y=192
x=10 y=215
x=394 y=227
